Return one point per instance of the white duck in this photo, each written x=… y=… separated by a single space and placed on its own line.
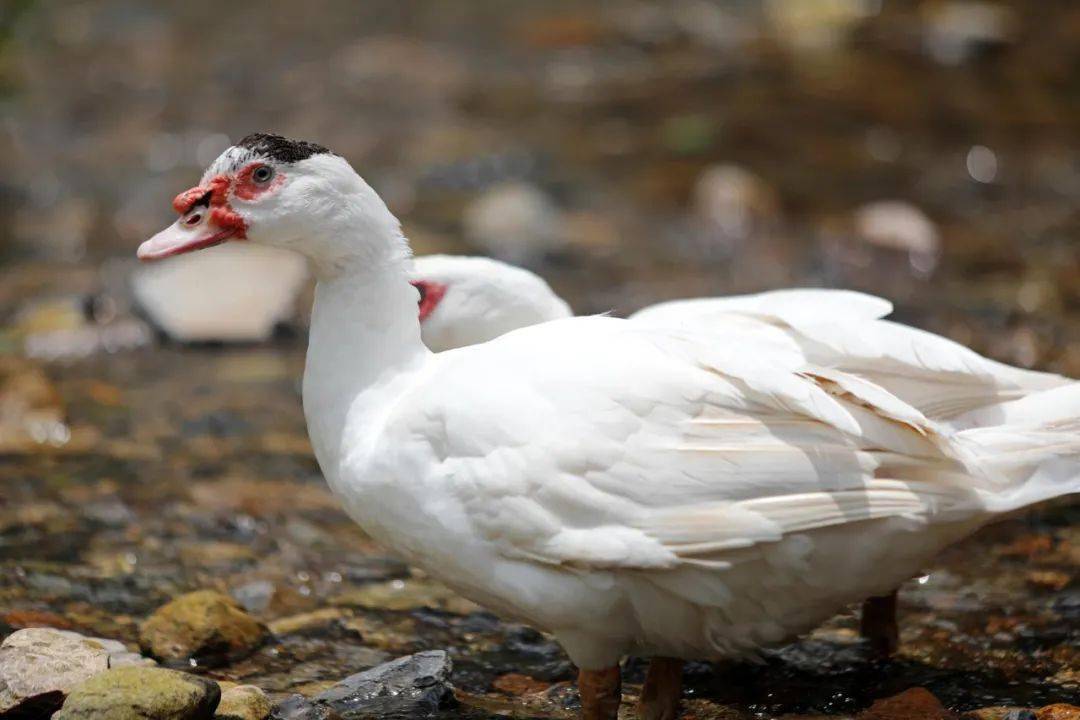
x=629 y=488
x=467 y=300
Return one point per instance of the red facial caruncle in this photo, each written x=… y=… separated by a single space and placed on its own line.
x=219 y=212
x=207 y=215
x=431 y=293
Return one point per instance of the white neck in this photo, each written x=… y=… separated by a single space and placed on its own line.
x=364 y=334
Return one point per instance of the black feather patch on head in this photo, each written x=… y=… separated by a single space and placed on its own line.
x=282 y=149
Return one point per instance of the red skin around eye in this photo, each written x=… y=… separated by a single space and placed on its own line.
x=247 y=189
x=432 y=293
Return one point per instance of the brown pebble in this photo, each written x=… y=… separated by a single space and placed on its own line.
x=996 y=712
x=206 y=626
x=1028 y=546
x=1058 y=711
x=36 y=618
x=913 y=704
x=1048 y=579
x=518 y=684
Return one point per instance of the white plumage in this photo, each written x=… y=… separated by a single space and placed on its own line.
x=695 y=491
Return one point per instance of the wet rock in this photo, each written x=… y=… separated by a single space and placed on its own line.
x=216 y=555
x=816 y=25
x=1053 y=580
x=1000 y=713
x=1058 y=711
x=412 y=594
x=18 y=619
x=514 y=221
x=233 y=293
x=518 y=684
x=137 y=693
x=205 y=626
x=412 y=686
x=913 y=704
x=898 y=225
x=75 y=326
x=255 y=596
x=1027 y=546
x=957 y=31
x=31 y=411
x=734 y=202
x=307 y=622
x=39 y=666
x=298 y=707
x=243 y=702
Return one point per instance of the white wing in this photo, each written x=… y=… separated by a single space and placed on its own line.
x=843 y=330
x=794 y=306
x=644 y=448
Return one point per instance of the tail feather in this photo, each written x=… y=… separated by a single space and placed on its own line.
x=1039 y=409
x=1037 y=457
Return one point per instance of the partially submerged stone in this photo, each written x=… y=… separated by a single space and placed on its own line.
x=298 y=707
x=1000 y=712
x=142 y=693
x=307 y=622
x=205 y=626
x=412 y=686
x=914 y=703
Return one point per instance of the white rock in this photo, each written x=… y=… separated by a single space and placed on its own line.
x=816 y=25
x=956 y=30
x=235 y=292
x=514 y=221
x=898 y=225
x=734 y=201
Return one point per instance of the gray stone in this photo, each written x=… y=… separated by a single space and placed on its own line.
x=298 y=707
x=412 y=686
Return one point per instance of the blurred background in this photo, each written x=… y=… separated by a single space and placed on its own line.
x=628 y=151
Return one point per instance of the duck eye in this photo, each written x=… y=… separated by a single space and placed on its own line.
x=262 y=174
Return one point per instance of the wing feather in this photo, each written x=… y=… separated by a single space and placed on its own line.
x=691 y=452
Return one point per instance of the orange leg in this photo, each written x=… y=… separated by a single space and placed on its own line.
x=601 y=693
x=662 y=690
x=878 y=624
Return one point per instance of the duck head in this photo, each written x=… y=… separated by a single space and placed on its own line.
x=468 y=300
x=286 y=193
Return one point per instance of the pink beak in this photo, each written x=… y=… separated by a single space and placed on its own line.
x=206 y=220
x=190 y=232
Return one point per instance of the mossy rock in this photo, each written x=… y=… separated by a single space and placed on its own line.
x=142 y=693
x=205 y=626
x=243 y=702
